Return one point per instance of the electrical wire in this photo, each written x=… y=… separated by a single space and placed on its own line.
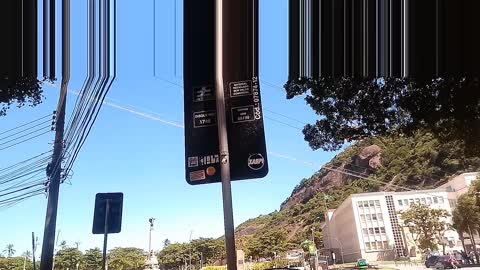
x=26 y=124
x=27 y=129
x=28 y=139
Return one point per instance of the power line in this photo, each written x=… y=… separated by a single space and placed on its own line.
x=27 y=134
x=26 y=124
x=28 y=139
x=27 y=129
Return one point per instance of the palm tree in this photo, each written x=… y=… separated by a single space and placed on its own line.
x=9 y=250
x=27 y=254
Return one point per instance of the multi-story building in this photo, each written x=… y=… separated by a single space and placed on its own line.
x=368 y=225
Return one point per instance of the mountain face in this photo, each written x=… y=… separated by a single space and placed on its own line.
x=376 y=164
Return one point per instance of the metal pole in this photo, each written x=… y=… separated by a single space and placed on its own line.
x=105 y=235
x=46 y=262
x=223 y=141
x=33 y=251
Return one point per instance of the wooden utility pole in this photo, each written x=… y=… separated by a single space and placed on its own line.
x=55 y=171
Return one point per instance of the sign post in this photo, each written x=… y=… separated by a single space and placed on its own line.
x=223 y=141
x=107 y=218
x=224 y=133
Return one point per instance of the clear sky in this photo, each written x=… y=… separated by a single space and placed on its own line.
x=142 y=157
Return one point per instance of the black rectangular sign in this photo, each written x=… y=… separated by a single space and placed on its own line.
x=115 y=209
x=246 y=137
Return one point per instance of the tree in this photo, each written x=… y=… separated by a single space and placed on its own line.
x=126 y=258
x=27 y=254
x=353 y=109
x=93 y=259
x=174 y=255
x=166 y=243
x=15 y=263
x=63 y=244
x=427 y=225
x=9 y=250
x=267 y=244
x=466 y=217
x=69 y=258
x=18 y=65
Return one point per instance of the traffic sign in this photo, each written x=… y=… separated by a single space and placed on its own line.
x=108 y=206
x=244 y=115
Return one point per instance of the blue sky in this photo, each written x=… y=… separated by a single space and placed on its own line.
x=142 y=157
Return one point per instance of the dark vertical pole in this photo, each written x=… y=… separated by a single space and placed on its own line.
x=223 y=140
x=33 y=251
x=46 y=262
x=105 y=235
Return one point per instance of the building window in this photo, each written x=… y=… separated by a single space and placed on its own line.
x=377 y=202
x=411 y=201
x=365 y=231
x=382 y=229
x=374 y=245
x=423 y=201
x=377 y=230
x=440 y=199
x=374 y=216
x=369 y=217
x=429 y=200
x=435 y=200
x=417 y=200
x=405 y=201
x=367 y=246
x=380 y=216
x=400 y=202
x=385 y=244
x=372 y=204
x=370 y=230
x=365 y=203
x=360 y=204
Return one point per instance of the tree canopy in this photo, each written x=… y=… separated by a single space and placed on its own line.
x=351 y=109
x=427 y=225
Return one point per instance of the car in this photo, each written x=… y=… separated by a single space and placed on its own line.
x=361 y=264
x=431 y=261
x=443 y=262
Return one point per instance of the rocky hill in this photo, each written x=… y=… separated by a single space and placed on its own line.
x=383 y=163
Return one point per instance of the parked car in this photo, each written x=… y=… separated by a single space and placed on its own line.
x=361 y=264
x=431 y=261
x=444 y=262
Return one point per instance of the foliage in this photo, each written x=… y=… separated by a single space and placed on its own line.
x=166 y=243
x=15 y=263
x=215 y=268
x=353 y=109
x=267 y=244
x=177 y=254
x=9 y=250
x=93 y=259
x=126 y=258
x=25 y=90
x=68 y=258
x=427 y=225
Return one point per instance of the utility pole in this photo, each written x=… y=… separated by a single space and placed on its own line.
x=223 y=141
x=34 y=247
x=54 y=171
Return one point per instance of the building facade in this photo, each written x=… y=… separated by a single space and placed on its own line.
x=368 y=225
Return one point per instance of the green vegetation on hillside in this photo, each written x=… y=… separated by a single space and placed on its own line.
x=420 y=161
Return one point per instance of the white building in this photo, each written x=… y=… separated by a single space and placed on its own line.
x=368 y=225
